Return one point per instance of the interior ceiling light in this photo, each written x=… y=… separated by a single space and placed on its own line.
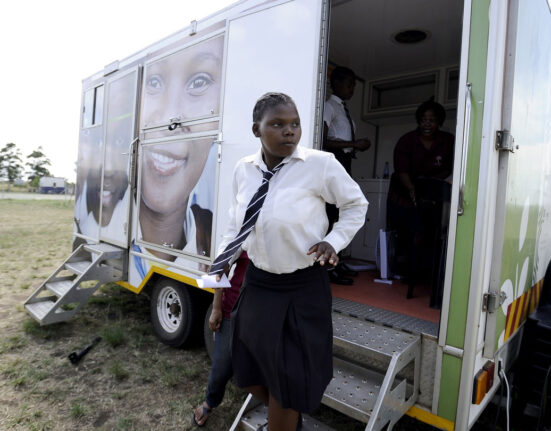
x=411 y=36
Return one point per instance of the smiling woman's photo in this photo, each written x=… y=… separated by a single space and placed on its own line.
x=177 y=185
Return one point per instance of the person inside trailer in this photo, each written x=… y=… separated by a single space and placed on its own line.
x=423 y=164
x=176 y=199
x=339 y=138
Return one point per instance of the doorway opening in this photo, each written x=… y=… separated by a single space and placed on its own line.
x=403 y=54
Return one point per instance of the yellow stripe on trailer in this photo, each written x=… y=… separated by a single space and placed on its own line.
x=165 y=273
x=430 y=418
x=520 y=309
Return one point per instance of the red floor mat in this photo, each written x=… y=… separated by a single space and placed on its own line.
x=390 y=297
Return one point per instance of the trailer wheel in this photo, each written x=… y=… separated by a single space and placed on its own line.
x=172 y=312
x=208 y=335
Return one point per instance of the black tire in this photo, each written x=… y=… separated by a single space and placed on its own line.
x=173 y=312
x=208 y=335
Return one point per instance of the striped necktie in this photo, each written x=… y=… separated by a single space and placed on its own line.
x=251 y=215
x=353 y=133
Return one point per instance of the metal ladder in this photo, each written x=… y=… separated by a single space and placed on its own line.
x=70 y=286
x=371 y=383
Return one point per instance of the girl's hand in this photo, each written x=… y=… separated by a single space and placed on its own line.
x=215 y=319
x=324 y=252
x=226 y=271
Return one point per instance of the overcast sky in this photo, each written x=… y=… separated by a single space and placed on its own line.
x=48 y=47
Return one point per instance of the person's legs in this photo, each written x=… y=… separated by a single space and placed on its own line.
x=220 y=373
x=280 y=418
x=259 y=392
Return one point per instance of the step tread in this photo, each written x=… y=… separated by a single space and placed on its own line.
x=102 y=248
x=60 y=288
x=353 y=390
x=257 y=416
x=78 y=267
x=40 y=309
x=368 y=336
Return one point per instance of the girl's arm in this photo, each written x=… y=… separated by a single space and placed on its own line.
x=340 y=189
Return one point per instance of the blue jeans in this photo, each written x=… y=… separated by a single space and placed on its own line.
x=221 y=371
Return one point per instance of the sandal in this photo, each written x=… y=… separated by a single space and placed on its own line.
x=205 y=412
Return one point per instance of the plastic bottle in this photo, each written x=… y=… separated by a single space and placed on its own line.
x=386 y=171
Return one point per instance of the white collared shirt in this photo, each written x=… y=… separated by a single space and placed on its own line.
x=293 y=216
x=338 y=126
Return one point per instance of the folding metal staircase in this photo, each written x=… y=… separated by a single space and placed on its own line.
x=375 y=377
x=71 y=285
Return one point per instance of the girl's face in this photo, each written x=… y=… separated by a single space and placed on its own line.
x=279 y=131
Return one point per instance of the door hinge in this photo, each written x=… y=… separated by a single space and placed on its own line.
x=505 y=141
x=492 y=301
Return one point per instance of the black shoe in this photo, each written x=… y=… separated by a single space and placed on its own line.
x=336 y=278
x=344 y=271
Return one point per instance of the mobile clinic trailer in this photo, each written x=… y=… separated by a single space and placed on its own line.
x=162 y=130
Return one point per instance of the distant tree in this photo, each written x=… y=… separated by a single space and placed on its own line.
x=10 y=162
x=37 y=163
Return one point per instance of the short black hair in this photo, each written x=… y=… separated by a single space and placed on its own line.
x=340 y=73
x=431 y=105
x=267 y=101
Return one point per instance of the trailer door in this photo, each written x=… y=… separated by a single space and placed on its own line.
x=274 y=47
x=120 y=131
x=522 y=248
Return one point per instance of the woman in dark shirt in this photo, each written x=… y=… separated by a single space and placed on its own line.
x=426 y=152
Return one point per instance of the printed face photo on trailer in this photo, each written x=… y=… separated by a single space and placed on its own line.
x=177 y=177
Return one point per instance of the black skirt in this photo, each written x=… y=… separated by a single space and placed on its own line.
x=282 y=335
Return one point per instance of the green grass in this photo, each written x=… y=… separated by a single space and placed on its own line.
x=114 y=335
x=118 y=371
x=12 y=343
x=22 y=373
x=77 y=410
x=125 y=424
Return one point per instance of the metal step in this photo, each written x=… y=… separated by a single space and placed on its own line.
x=353 y=390
x=60 y=288
x=78 y=267
x=257 y=416
x=102 y=248
x=100 y=263
x=362 y=336
x=39 y=309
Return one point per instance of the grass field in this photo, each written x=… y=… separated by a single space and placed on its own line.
x=129 y=381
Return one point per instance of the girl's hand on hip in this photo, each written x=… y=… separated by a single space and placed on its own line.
x=324 y=252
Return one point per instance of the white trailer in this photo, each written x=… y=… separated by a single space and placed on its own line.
x=161 y=131
x=50 y=185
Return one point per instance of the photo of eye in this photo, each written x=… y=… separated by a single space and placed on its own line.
x=184 y=85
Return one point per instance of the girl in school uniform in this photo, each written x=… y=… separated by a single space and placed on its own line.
x=281 y=324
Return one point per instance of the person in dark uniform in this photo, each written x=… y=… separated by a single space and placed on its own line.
x=281 y=324
x=339 y=138
x=423 y=153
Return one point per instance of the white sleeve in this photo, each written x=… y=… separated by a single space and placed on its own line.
x=341 y=190
x=328 y=113
x=231 y=228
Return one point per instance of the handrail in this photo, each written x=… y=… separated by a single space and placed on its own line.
x=465 y=148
